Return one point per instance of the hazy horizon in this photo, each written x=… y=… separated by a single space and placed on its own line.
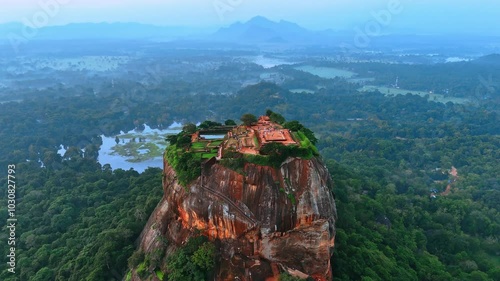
x=392 y=16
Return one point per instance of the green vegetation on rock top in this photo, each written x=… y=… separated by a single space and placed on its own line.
x=186 y=156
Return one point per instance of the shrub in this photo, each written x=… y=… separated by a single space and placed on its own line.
x=186 y=165
x=194 y=261
x=295 y=126
x=229 y=122
x=235 y=164
x=275 y=117
x=209 y=124
x=287 y=277
x=248 y=119
x=135 y=259
x=204 y=256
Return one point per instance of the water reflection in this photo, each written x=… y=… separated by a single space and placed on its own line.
x=108 y=155
x=146 y=142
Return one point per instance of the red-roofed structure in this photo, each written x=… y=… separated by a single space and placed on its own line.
x=248 y=140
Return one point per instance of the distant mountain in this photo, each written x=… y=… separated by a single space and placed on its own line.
x=11 y=27
x=99 y=31
x=493 y=59
x=261 y=30
x=258 y=30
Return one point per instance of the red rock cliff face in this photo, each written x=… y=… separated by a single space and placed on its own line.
x=269 y=220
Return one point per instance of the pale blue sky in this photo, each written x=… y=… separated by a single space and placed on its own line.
x=423 y=16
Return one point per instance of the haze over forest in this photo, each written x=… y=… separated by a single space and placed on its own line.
x=398 y=99
x=415 y=17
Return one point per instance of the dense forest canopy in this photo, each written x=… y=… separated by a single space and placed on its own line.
x=390 y=157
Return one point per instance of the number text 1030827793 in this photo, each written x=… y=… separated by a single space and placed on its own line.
x=12 y=220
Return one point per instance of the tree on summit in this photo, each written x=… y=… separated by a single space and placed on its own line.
x=230 y=122
x=248 y=119
x=209 y=124
x=275 y=117
x=296 y=126
x=189 y=128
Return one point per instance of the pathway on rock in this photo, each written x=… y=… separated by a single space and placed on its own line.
x=228 y=200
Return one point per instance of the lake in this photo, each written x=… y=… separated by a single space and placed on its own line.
x=135 y=149
x=326 y=72
x=268 y=62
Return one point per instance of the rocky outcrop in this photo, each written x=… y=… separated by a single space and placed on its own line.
x=265 y=221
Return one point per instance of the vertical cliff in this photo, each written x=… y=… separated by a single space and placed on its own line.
x=264 y=221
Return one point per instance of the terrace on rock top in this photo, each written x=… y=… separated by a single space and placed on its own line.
x=249 y=139
x=265 y=141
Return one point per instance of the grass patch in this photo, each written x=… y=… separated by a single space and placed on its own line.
x=296 y=137
x=215 y=143
x=159 y=274
x=208 y=155
x=198 y=145
x=256 y=141
x=141 y=269
x=306 y=143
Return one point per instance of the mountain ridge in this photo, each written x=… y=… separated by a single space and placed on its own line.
x=262 y=30
x=256 y=30
x=101 y=30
